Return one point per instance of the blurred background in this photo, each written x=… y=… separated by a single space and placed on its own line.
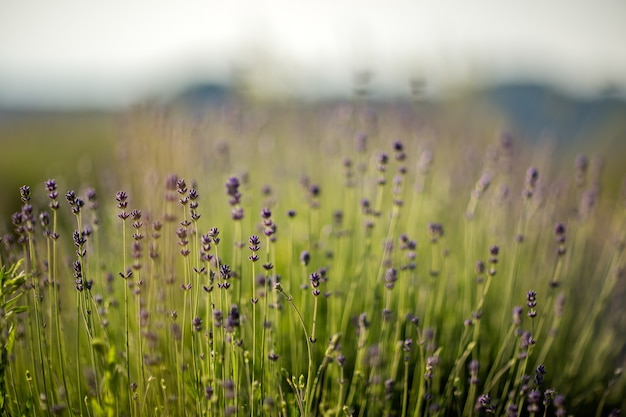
x=71 y=53
x=69 y=68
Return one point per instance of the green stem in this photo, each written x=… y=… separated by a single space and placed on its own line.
x=126 y=316
x=308 y=388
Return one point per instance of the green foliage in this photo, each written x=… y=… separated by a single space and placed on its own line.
x=339 y=274
x=12 y=279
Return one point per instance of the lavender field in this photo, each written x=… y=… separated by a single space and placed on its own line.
x=344 y=259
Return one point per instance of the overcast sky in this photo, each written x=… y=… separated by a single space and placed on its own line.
x=113 y=52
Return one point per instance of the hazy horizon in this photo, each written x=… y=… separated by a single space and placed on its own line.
x=70 y=54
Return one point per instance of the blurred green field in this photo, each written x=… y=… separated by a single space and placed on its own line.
x=82 y=148
x=76 y=147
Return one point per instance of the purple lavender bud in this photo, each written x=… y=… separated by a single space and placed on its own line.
x=229 y=385
x=559 y=229
x=341 y=359
x=389 y=386
x=315 y=279
x=391 y=276
x=361 y=142
x=79 y=240
x=120 y=197
x=266 y=190
x=363 y=323
x=337 y=217
x=534 y=397
x=314 y=190
x=51 y=185
x=71 y=197
x=532 y=174
x=582 y=163
x=473 y=368
x=218 y=316
x=526 y=340
x=431 y=362
x=232 y=320
x=208 y=392
x=44 y=219
x=548 y=396
x=559 y=400
x=181 y=233
x=511 y=410
x=531 y=181
x=27 y=211
x=135 y=214
x=237 y=213
x=25 y=193
x=77 y=267
x=540 y=372
x=482 y=184
x=80 y=203
x=197 y=324
x=305 y=258
x=225 y=271
x=232 y=186
x=407 y=345
x=170 y=182
x=255 y=243
x=436 y=231
x=517 y=315
x=484 y=400
x=531 y=298
x=91 y=195
x=429 y=334
x=270 y=229
x=17 y=218
x=181 y=186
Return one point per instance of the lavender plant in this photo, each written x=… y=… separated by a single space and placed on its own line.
x=382 y=277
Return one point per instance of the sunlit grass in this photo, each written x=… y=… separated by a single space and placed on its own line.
x=345 y=260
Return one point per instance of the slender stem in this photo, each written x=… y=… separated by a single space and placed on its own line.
x=405 y=390
x=55 y=300
x=78 y=376
x=254 y=302
x=308 y=388
x=126 y=315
